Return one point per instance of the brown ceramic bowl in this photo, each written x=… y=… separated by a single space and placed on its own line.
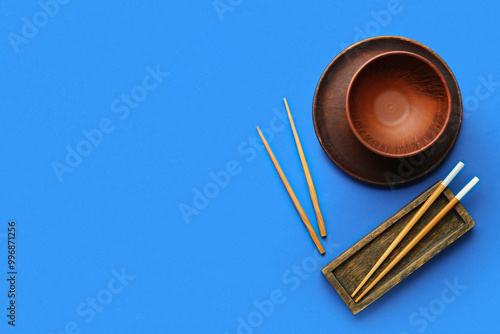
x=398 y=104
x=336 y=136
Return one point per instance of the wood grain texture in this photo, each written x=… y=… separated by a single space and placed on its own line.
x=423 y=208
x=347 y=270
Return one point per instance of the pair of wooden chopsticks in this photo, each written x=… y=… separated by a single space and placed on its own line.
x=312 y=190
x=440 y=188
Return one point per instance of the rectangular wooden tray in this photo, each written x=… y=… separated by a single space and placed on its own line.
x=347 y=270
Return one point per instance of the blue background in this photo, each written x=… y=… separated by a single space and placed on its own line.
x=118 y=210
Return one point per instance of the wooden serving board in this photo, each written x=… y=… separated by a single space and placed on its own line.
x=347 y=270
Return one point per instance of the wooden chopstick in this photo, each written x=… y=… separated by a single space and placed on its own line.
x=442 y=186
x=421 y=234
x=292 y=195
x=310 y=184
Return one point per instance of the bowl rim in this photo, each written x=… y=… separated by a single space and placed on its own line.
x=448 y=109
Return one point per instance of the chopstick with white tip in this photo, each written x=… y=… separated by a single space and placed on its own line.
x=421 y=234
x=442 y=186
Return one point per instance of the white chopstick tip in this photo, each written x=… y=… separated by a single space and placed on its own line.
x=468 y=187
x=453 y=173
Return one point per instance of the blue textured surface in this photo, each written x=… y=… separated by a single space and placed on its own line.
x=169 y=94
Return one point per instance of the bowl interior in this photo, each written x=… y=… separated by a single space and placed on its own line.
x=398 y=104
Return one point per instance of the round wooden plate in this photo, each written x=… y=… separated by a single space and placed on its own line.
x=338 y=140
